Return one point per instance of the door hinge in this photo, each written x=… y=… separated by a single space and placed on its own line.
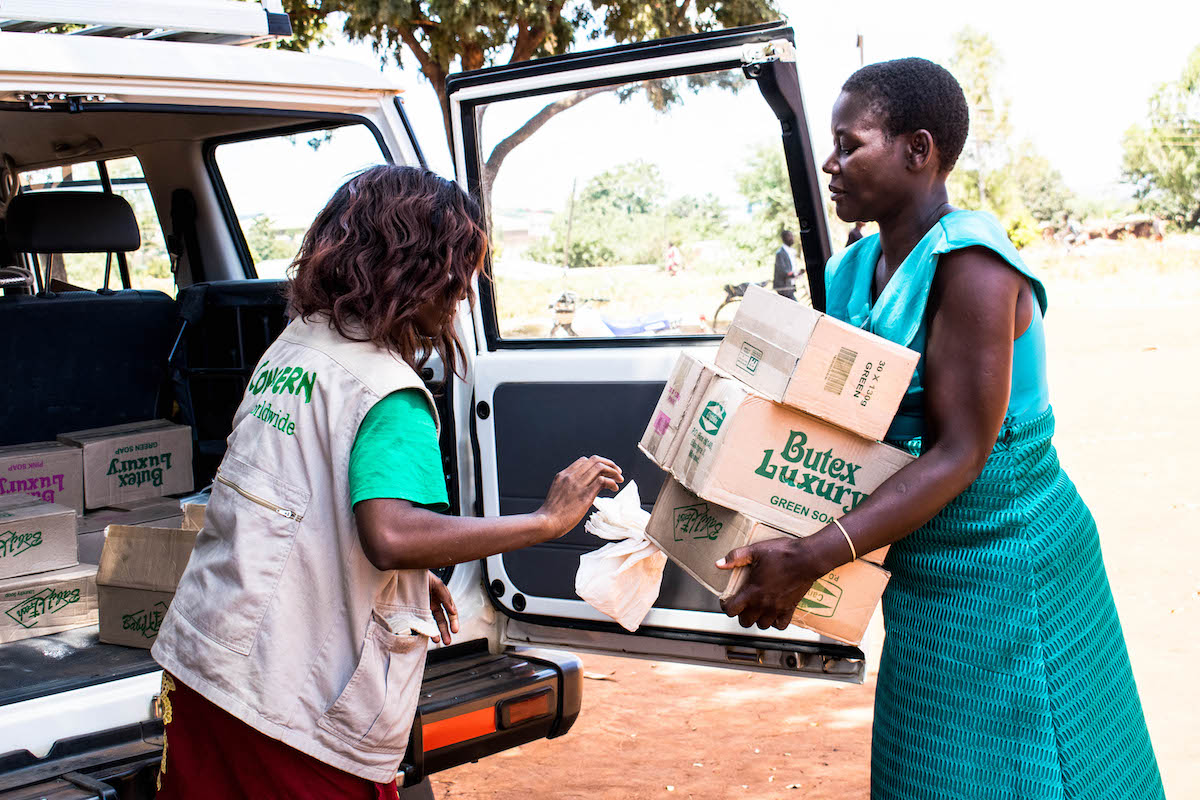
x=763 y=52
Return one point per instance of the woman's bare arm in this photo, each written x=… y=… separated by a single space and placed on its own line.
x=395 y=534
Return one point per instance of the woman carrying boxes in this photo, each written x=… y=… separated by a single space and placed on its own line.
x=295 y=645
x=1004 y=673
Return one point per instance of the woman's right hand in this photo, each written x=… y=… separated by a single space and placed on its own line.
x=573 y=492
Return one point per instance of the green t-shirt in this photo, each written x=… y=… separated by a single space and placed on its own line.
x=396 y=453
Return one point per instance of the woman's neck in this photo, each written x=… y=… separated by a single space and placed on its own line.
x=899 y=234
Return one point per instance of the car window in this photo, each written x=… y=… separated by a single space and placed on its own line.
x=277 y=184
x=149 y=265
x=633 y=211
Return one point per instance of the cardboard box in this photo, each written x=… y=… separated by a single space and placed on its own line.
x=50 y=471
x=139 y=571
x=133 y=461
x=676 y=406
x=193 y=516
x=773 y=463
x=695 y=534
x=157 y=512
x=802 y=358
x=840 y=604
x=48 y=602
x=35 y=536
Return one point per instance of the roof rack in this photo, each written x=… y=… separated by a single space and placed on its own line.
x=208 y=21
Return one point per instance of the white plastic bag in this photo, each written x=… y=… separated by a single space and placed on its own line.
x=621 y=579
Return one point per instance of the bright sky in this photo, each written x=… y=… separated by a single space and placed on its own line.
x=1075 y=76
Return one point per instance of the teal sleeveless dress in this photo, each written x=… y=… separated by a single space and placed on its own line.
x=1004 y=674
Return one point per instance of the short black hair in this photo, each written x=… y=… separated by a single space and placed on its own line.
x=913 y=93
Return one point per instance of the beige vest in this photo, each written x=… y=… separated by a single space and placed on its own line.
x=280 y=619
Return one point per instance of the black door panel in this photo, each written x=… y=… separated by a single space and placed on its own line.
x=536 y=423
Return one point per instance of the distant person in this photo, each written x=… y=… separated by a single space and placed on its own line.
x=786 y=268
x=674 y=259
x=856 y=233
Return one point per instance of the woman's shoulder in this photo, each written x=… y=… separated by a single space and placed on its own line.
x=964 y=228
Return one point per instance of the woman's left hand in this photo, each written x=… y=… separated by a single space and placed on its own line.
x=781 y=573
x=442 y=606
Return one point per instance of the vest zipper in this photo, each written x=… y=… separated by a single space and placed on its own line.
x=283 y=512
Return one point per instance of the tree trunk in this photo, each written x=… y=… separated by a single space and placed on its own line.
x=505 y=146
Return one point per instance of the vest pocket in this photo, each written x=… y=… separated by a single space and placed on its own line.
x=250 y=526
x=376 y=709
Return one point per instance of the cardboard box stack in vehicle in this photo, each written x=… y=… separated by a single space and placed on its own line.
x=35 y=536
x=48 y=602
x=747 y=468
x=50 y=471
x=810 y=361
x=139 y=571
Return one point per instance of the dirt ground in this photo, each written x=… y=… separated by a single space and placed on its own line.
x=1124 y=351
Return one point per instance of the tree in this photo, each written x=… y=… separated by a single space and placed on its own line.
x=623 y=216
x=1039 y=186
x=264 y=242
x=1162 y=158
x=978 y=181
x=442 y=34
x=767 y=189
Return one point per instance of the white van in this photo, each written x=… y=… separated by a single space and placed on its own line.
x=158 y=103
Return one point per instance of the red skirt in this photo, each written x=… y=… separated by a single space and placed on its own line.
x=209 y=753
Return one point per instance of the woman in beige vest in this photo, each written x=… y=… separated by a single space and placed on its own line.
x=294 y=648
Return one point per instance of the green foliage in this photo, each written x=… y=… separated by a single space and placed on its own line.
x=1162 y=158
x=622 y=216
x=1019 y=187
x=1039 y=186
x=1022 y=230
x=442 y=35
x=768 y=192
x=264 y=241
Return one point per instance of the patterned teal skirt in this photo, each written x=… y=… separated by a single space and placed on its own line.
x=1004 y=675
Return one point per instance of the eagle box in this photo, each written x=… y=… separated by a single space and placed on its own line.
x=35 y=536
x=140 y=569
x=48 y=602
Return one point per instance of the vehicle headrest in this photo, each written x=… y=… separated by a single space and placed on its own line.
x=71 y=222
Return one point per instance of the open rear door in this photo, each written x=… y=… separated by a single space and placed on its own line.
x=625 y=189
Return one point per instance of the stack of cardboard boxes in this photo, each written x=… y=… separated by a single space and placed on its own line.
x=778 y=438
x=118 y=476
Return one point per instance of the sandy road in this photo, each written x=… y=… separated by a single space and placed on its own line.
x=1125 y=376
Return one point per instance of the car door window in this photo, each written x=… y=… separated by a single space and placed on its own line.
x=277 y=183
x=625 y=211
x=149 y=265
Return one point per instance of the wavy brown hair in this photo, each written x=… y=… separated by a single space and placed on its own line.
x=391 y=240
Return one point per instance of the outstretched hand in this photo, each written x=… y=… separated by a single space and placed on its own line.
x=574 y=490
x=781 y=574
x=442 y=606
